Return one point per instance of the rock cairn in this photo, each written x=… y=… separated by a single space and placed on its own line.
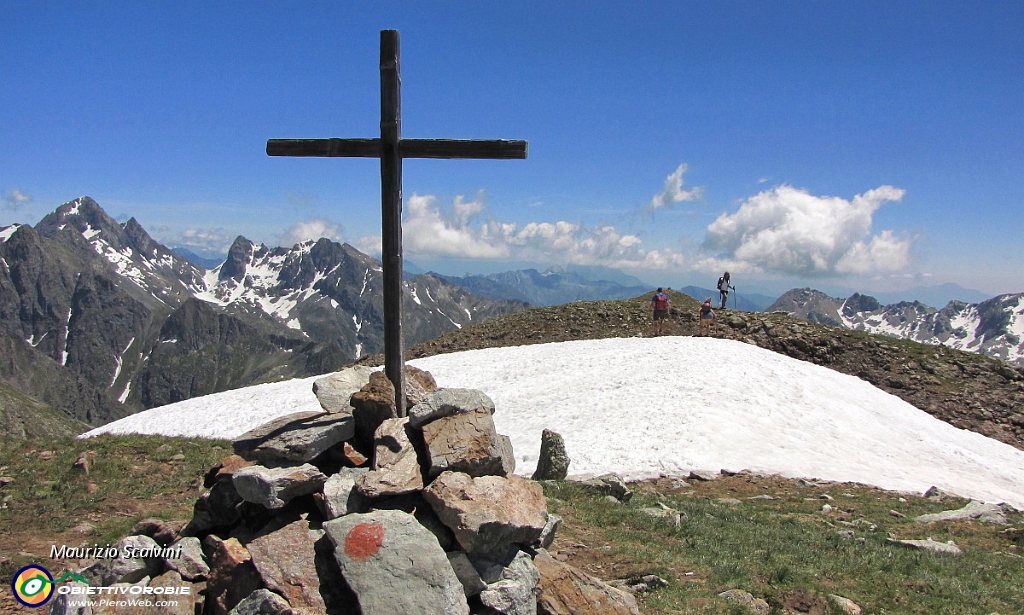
x=357 y=511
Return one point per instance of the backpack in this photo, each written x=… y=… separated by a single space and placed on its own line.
x=660 y=302
x=722 y=284
x=705 y=308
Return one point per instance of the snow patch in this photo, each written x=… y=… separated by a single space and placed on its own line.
x=7 y=231
x=120 y=359
x=788 y=417
x=127 y=391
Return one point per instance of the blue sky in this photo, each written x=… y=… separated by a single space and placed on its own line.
x=874 y=146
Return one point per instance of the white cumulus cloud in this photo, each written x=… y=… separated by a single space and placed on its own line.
x=195 y=239
x=314 y=228
x=14 y=199
x=673 y=192
x=789 y=230
x=465 y=231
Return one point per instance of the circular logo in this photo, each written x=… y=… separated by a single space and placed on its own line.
x=32 y=586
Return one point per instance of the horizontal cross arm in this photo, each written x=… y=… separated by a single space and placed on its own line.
x=408 y=148
x=330 y=148
x=462 y=148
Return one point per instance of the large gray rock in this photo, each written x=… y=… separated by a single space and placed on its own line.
x=448 y=402
x=273 y=487
x=488 y=513
x=262 y=602
x=285 y=562
x=191 y=564
x=396 y=468
x=334 y=391
x=394 y=565
x=339 y=496
x=553 y=462
x=467 y=442
x=565 y=590
x=973 y=511
x=143 y=561
x=304 y=440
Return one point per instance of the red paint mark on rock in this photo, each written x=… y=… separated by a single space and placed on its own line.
x=364 y=540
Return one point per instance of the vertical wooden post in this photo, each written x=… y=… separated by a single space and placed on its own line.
x=391 y=149
x=391 y=212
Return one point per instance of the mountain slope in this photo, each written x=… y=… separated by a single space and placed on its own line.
x=127 y=323
x=994 y=327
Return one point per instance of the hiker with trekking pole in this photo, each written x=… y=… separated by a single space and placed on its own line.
x=723 y=289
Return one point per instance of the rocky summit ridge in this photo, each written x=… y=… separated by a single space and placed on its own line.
x=965 y=389
x=99 y=320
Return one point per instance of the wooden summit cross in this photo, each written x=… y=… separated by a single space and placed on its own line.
x=391 y=148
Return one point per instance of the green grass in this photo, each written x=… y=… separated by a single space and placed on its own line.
x=787 y=548
x=784 y=550
x=132 y=477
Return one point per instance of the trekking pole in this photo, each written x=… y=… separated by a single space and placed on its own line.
x=734 y=295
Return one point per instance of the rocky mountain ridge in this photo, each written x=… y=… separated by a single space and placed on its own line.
x=994 y=327
x=119 y=322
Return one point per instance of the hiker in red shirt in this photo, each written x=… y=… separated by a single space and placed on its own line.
x=659 y=310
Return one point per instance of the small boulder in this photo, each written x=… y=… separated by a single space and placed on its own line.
x=190 y=564
x=232 y=575
x=553 y=462
x=372 y=405
x=746 y=599
x=304 y=440
x=611 y=484
x=515 y=591
x=930 y=545
x=566 y=590
x=262 y=602
x=467 y=442
x=273 y=487
x=396 y=468
x=449 y=402
x=163 y=532
x=334 y=391
x=285 y=560
x=244 y=443
x=488 y=513
x=339 y=496
x=137 y=558
x=973 y=511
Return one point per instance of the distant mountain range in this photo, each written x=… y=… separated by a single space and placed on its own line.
x=555 y=286
x=994 y=327
x=99 y=320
